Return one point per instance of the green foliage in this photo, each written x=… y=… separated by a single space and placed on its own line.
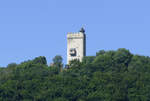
x=74 y=63
x=88 y=59
x=108 y=76
x=40 y=60
x=57 y=60
x=11 y=65
x=101 y=52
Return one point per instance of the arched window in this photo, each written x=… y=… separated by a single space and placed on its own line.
x=73 y=52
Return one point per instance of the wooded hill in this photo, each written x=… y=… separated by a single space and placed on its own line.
x=108 y=76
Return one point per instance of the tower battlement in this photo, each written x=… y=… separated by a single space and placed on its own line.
x=78 y=34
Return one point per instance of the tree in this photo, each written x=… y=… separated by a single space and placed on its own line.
x=40 y=60
x=88 y=59
x=57 y=60
x=123 y=56
x=11 y=65
x=98 y=78
x=74 y=63
x=101 y=52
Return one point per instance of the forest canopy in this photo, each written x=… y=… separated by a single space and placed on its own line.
x=108 y=76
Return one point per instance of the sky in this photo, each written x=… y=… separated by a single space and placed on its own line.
x=32 y=28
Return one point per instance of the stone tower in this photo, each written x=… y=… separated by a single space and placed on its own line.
x=76 y=45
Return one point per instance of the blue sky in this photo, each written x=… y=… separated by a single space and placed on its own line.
x=31 y=28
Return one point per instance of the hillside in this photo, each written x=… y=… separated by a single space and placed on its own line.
x=108 y=76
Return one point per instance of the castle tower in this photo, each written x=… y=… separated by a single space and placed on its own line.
x=76 y=45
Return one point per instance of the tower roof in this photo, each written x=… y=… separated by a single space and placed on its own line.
x=82 y=30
